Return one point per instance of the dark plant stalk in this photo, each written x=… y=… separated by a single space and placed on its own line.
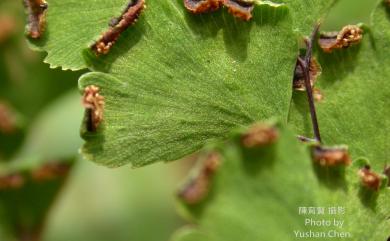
x=305 y=65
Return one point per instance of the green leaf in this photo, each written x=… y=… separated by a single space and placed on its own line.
x=189 y=79
x=256 y=194
x=71 y=27
x=354 y=84
x=74 y=25
x=176 y=78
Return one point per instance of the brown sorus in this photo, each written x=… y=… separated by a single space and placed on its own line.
x=240 y=8
x=198 y=187
x=369 y=178
x=118 y=25
x=93 y=102
x=211 y=163
x=36 y=10
x=201 y=6
x=349 y=35
x=50 y=171
x=331 y=156
x=260 y=135
x=299 y=77
x=7 y=119
x=195 y=190
x=12 y=181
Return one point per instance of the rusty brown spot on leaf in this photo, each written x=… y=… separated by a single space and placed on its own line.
x=299 y=78
x=50 y=171
x=212 y=163
x=198 y=187
x=240 y=8
x=260 y=135
x=369 y=178
x=12 y=181
x=349 y=35
x=118 y=25
x=36 y=10
x=195 y=190
x=202 y=6
x=331 y=156
x=93 y=102
x=7 y=119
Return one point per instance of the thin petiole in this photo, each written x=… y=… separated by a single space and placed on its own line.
x=305 y=65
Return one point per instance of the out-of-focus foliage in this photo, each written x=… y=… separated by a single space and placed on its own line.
x=101 y=204
x=349 y=12
x=25 y=203
x=31 y=176
x=26 y=84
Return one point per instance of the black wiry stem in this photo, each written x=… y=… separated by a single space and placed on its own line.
x=305 y=65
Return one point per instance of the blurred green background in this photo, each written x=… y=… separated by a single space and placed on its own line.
x=100 y=204
x=96 y=203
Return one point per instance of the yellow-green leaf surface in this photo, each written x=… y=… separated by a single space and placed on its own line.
x=355 y=89
x=175 y=80
x=74 y=25
x=180 y=80
x=269 y=192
